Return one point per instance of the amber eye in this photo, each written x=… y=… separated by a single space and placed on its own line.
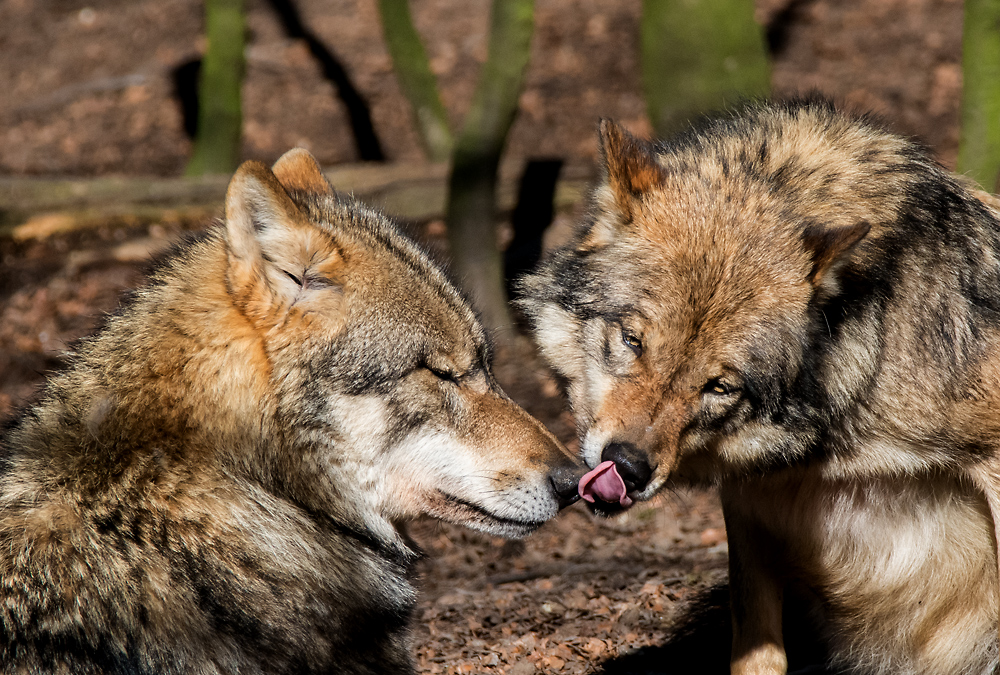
x=632 y=342
x=719 y=387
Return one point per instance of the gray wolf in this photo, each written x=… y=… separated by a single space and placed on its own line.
x=800 y=307
x=218 y=482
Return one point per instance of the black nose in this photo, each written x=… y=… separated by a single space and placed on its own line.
x=631 y=462
x=565 y=480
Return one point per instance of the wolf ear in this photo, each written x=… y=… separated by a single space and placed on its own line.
x=630 y=166
x=255 y=203
x=271 y=244
x=298 y=171
x=828 y=245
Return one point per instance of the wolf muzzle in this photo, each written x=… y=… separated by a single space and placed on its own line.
x=623 y=469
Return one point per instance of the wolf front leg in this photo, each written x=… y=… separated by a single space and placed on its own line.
x=756 y=596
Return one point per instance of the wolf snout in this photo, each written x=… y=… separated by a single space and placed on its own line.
x=631 y=463
x=564 y=479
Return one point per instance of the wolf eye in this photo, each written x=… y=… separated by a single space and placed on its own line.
x=632 y=342
x=297 y=280
x=719 y=387
x=441 y=374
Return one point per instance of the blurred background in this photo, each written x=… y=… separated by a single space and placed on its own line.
x=91 y=88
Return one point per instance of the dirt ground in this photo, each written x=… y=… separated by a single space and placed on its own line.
x=90 y=90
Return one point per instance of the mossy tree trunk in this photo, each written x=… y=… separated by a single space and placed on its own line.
x=979 y=150
x=415 y=78
x=217 y=145
x=471 y=210
x=698 y=56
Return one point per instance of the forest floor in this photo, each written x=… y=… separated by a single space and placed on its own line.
x=91 y=90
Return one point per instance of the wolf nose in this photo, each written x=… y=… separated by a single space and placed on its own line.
x=631 y=462
x=565 y=479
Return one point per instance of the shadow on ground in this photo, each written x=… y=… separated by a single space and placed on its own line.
x=700 y=644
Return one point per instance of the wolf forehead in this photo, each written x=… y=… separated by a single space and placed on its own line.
x=386 y=253
x=406 y=303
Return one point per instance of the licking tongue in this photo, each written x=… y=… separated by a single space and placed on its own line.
x=605 y=484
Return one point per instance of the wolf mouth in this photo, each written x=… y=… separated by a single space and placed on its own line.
x=524 y=526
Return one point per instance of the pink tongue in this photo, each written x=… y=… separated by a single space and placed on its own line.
x=605 y=484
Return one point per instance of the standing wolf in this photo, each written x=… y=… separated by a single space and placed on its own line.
x=805 y=309
x=215 y=485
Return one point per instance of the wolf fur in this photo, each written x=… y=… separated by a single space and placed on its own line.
x=804 y=309
x=217 y=483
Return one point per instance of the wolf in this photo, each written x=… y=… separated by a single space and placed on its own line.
x=794 y=304
x=218 y=483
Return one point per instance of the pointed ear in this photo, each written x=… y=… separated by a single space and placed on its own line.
x=630 y=166
x=255 y=202
x=298 y=171
x=828 y=245
x=272 y=246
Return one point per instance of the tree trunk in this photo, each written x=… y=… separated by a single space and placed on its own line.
x=415 y=78
x=217 y=146
x=698 y=56
x=979 y=150
x=471 y=211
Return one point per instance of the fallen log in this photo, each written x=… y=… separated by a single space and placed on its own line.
x=33 y=207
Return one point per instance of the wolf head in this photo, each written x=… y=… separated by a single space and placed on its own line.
x=381 y=363
x=685 y=310
x=307 y=345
